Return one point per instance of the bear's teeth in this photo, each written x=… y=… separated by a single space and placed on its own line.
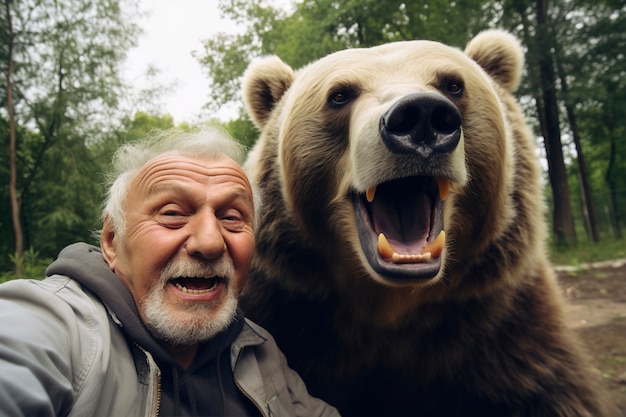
x=369 y=194
x=444 y=188
x=429 y=251
x=406 y=259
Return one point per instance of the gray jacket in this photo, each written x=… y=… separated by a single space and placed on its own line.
x=64 y=352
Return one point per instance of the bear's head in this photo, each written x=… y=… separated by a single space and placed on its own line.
x=393 y=162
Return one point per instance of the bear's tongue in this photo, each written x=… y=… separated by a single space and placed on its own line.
x=404 y=219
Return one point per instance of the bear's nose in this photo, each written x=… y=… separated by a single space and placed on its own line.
x=426 y=123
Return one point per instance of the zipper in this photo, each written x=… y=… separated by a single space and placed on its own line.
x=256 y=404
x=158 y=379
x=158 y=398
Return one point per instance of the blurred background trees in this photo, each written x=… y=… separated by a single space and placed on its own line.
x=62 y=111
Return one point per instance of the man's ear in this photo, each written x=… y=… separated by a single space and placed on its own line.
x=108 y=243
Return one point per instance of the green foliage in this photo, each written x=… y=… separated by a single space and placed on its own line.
x=226 y=56
x=142 y=124
x=66 y=190
x=586 y=251
x=591 y=35
x=33 y=266
x=67 y=90
x=243 y=130
x=318 y=27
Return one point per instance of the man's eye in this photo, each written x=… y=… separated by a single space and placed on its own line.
x=171 y=210
x=232 y=217
x=234 y=220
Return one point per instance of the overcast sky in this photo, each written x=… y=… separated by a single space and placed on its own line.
x=173 y=29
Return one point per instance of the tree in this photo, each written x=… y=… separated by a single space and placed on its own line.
x=142 y=124
x=563 y=221
x=601 y=97
x=602 y=113
x=243 y=130
x=15 y=203
x=315 y=28
x=533 y=21
x=62 y=85
x=582 y=40
x=589 y=210
x=226 y=56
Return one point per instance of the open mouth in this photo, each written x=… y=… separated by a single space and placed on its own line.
x=195 y=285
x=400 y=225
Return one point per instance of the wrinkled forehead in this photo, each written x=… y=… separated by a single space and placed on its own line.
x=176 y=167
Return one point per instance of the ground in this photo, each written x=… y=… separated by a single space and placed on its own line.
x=596 y=310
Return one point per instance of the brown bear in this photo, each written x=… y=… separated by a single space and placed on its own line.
x=400 y=256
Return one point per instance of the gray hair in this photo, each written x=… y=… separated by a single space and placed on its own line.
x=206 y=142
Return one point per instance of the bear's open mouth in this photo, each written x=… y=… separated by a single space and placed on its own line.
x=400 y=226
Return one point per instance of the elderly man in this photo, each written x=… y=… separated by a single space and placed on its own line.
x=148 y=323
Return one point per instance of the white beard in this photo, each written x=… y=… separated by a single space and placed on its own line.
x=203 y=320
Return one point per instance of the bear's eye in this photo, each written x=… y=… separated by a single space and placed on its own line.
x=340 y=98
x=454 y=87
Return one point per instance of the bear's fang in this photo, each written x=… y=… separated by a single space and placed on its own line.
x=369 y=194
x=444 y=188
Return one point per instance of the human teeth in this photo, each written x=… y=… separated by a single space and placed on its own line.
x=191 y=291
x=384 y=248
x=444 y=188
x=435 y=247
x=369 y=194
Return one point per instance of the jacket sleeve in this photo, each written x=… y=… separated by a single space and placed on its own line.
x=35 y=351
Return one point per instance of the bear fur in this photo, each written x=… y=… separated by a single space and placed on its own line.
x=473 y=327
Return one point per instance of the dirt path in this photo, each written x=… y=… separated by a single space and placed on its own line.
x=596 y=310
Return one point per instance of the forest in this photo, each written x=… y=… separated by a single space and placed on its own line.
x=64 y=107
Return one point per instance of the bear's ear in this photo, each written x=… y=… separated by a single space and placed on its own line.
x=264 y=83
x=500 y=54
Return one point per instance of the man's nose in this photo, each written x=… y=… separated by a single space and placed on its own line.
x=205 y=239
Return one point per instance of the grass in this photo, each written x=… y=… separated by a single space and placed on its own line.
x=619 y=317
x=586 y=251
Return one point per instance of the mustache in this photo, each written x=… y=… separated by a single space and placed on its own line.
x=222 y=268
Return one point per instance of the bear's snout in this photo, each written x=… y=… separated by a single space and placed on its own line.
x=423 y=123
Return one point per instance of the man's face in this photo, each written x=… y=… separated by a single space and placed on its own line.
x=188 y=245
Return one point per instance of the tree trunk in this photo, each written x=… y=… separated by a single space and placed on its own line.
x=616 y=219
x=15 y=203
x=589 y=209
x=563 y=221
